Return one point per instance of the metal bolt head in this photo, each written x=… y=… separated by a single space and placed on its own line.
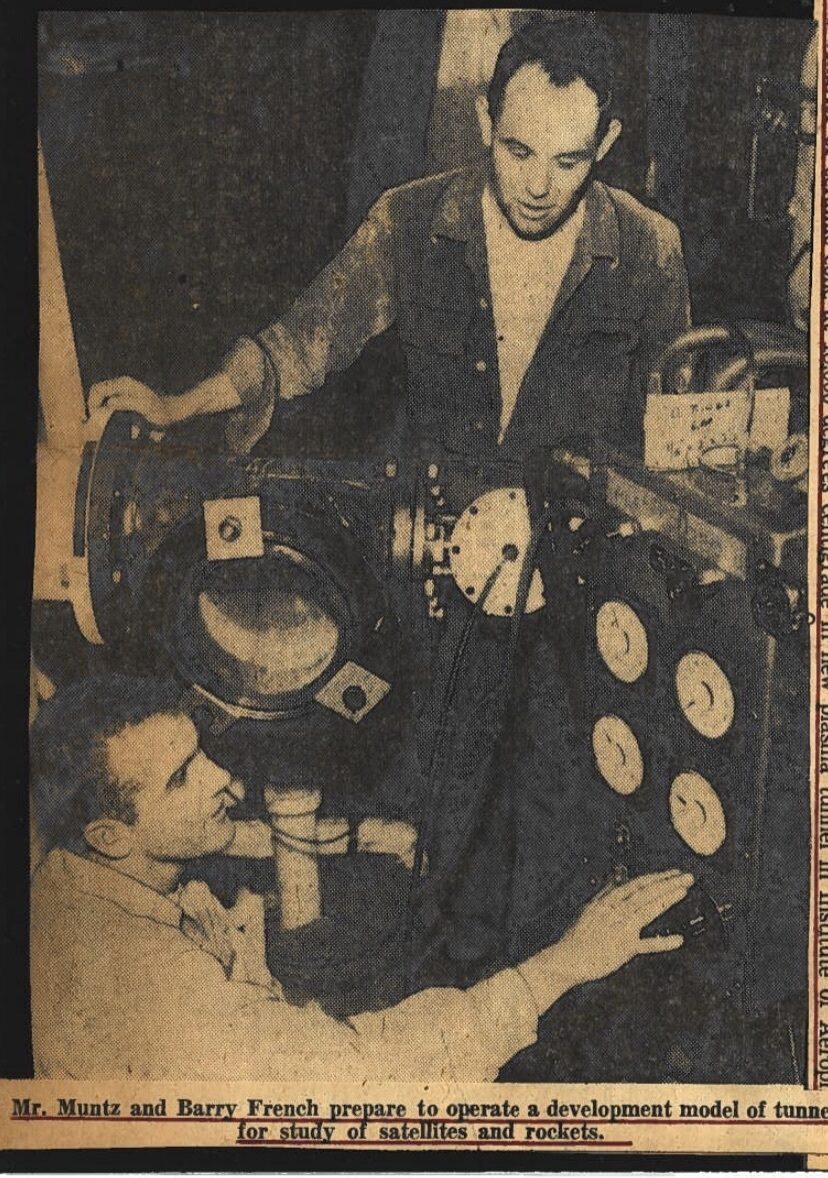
x=230 y=529
x=354 y=698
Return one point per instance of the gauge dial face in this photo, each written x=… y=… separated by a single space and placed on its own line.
x=697 y=814
x=705 y=694
x=617 y=754
x=622 y=641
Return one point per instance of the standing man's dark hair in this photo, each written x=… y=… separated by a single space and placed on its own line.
x=72 y=783
x=565 y=49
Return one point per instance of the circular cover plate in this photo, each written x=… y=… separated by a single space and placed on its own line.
x=696 y=813
x=705 y=694
x=617 y=754
x=622 y=641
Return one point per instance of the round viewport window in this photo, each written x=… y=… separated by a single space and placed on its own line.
x=260 y=633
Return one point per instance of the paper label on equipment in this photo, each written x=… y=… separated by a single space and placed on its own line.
x=771 y=419
x=679 y=428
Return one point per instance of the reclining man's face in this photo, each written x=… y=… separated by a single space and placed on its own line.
x=182 y=797
x=542 y=149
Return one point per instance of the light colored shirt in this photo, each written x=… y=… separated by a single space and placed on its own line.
x=119 y=989
x=525 y=278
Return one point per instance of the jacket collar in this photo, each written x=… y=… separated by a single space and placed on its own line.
x=601 y=235
x=70 y=872
x=458 y=215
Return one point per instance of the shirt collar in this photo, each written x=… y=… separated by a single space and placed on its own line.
x=458 y=214
x=70 y=871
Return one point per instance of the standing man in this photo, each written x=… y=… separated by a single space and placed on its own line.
x=529 y=298
x=133 y=975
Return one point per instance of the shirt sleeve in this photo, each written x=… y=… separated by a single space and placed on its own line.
x=667 y=312
x=345 y=306
x=233 y=1030
x=450 y=1034
x=666 y=315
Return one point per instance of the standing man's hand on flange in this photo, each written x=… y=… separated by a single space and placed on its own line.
x=126 y=393
x=216 y=394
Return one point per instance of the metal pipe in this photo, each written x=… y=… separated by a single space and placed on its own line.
x=690 y=341
x=735 y=370
x=293 y=819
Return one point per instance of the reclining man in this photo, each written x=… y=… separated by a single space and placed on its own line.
x=530 y=300
x=133 y=974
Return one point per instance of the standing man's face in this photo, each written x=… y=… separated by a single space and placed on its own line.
x=542 y=149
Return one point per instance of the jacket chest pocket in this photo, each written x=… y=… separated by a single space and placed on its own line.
x=600 y=342
x=438 y=328
x=603 y=374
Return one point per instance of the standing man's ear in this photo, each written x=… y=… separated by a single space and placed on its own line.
x=109 y=837
x=612 y=133
x=481 y=106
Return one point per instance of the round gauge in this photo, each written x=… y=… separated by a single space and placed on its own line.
x=617 y=754
x=697 y=814
x=705 y=694
x=622 y=641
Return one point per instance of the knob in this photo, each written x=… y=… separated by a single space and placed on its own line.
x=354 y=698
x=627 y=528
x=709 y=577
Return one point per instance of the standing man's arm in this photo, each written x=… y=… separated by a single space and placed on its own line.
x=350 y=302
x=667 y=310
x=666 y=315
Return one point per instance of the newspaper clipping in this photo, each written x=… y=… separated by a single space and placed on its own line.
x=429 y=651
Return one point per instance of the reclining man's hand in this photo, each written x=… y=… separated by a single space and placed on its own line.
x=607 y=934
x=235 y=935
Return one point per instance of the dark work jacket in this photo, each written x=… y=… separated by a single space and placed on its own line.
x=418 y=264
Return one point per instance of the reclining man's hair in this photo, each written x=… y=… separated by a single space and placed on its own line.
x=71 y=781
x=566 y=49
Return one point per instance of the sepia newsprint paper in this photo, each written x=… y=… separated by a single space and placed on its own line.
x=429 y=688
